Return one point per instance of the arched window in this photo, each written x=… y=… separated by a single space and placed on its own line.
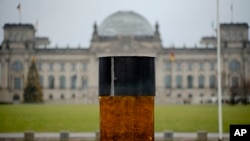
x=168 y=81
x=62 y=82
x=17 y=66
x=178 y=81
x=190 y=81
x=51 y=82
x=234 y=65
x=201 y=81
x=212 y=81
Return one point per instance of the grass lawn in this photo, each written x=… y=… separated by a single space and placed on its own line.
x=85 y=118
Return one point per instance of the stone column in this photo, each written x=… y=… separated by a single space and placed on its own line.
x=168 y=136
x=64 y=136
x=97 y=135
x=29 y=136
x=201 y=135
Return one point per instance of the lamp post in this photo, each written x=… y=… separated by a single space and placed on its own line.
x=219 y=73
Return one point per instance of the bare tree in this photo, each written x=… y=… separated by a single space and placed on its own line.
x=244 y=89
x=241 y=92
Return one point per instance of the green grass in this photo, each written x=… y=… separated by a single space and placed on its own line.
x=190 y=118
x=85 y=118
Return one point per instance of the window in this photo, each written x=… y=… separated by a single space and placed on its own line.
x=190 y=81
x=51 y=82
x=62 y=82
x=178 y=81
x=73 y=82
x=235 y=82
x=62 y=66
x=17 y=83
x=16 y=97
x=168 y=81
x=201 y=95
x=212 y=81
x=168 y=66
x=39 y=66
x=190 y=96
x=41 y=80
x=212 y=66
x=201 y=81
x=189 y=66
x=84 y=83
x=234 y=65
x=51 y=97
x=51 y=66
x=62 y=96
x=17 y=66
x=84 y=67
x=179 y=95
x=201 y=66
x=178 y=66
x=73 y=66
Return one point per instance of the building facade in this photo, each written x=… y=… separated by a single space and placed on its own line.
x=70 y=74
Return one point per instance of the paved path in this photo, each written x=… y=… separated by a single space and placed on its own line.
x=92 y=135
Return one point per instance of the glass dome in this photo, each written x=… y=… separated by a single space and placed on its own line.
x=125 y=23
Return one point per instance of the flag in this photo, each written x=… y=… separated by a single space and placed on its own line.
x=171 y=56
x=19 y=7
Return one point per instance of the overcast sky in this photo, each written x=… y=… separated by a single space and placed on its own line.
x=70 y=22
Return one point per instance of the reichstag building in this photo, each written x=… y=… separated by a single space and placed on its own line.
x=70 y=75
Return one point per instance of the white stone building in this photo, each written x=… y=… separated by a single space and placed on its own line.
x=70 y=74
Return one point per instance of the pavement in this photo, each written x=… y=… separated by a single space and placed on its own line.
x=93 y=134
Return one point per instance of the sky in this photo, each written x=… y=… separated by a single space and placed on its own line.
x=70 y=22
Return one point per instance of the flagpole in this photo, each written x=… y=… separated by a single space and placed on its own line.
x=19 y=17
x=219 y=74
x=232 y=12
x=19 y=12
